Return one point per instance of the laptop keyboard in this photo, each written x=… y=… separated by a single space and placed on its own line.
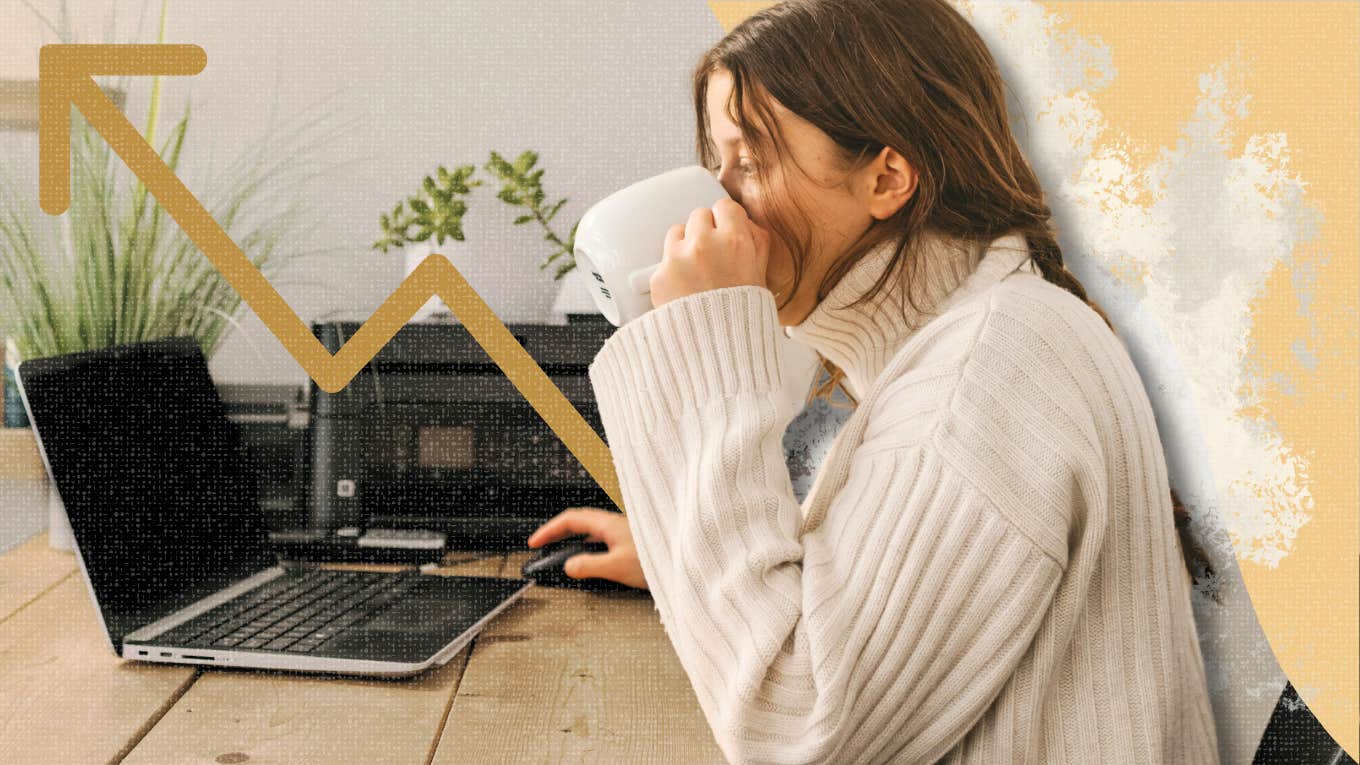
x=295 y=614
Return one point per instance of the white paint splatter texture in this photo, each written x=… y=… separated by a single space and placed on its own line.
x=1175 y=250
x=1191 y=238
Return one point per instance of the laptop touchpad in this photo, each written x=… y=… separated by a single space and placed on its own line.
x=414 y=615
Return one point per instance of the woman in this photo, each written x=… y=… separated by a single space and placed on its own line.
x=987 y=568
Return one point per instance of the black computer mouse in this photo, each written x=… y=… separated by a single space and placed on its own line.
x=546 y=568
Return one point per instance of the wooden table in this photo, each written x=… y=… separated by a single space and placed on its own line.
x=561 y=676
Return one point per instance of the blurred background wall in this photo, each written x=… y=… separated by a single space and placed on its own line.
x=599 y=89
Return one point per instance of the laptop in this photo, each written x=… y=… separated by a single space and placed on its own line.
x=174 y=546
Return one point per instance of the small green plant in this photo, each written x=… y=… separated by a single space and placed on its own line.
x=439 y=211
x=522 y=186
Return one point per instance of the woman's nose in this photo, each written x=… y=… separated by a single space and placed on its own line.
x=732 y=188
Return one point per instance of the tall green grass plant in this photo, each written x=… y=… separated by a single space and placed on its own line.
x=115 y=268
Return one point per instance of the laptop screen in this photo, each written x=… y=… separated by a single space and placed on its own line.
x=162 y=505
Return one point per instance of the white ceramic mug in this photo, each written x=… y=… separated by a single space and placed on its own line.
x=620 y=240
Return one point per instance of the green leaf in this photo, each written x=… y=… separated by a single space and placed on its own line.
x=177 y=137
x=554 y=209
x=498 y=165
x=419 y=206
x=523 y=219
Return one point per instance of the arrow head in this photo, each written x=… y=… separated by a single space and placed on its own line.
x=65 y=76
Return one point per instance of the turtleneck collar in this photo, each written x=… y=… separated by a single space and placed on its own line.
x=862 y=339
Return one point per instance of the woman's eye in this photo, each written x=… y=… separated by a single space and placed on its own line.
x=743 y=167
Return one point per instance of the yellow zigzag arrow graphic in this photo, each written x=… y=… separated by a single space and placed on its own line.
x=64 y=78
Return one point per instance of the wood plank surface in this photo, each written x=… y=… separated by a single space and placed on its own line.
x=64 y=696
x=29 y=570
x=575 y=676
x=563 y=675
x=266 y=718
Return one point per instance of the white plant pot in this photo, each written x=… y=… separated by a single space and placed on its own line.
x=59 y=535
x=434 y=307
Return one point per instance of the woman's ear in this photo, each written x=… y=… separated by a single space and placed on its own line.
x=889 y=183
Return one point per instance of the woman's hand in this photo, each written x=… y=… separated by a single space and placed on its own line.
x=620 y=563
x=718 y=247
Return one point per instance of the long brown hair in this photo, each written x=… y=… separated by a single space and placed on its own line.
x=910 y=74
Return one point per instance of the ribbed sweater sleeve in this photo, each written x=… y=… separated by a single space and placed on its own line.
x=881 y=634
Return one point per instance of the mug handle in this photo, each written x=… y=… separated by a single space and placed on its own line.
x=639 y=279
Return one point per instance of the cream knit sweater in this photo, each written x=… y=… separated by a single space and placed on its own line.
x=985 y=569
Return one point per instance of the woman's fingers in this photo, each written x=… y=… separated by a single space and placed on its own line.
x=700 y=218
x=737 y=227
x=573 y=520
x=674 y=235
x=584 y=565
x=727 y=214
x=619 y=565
